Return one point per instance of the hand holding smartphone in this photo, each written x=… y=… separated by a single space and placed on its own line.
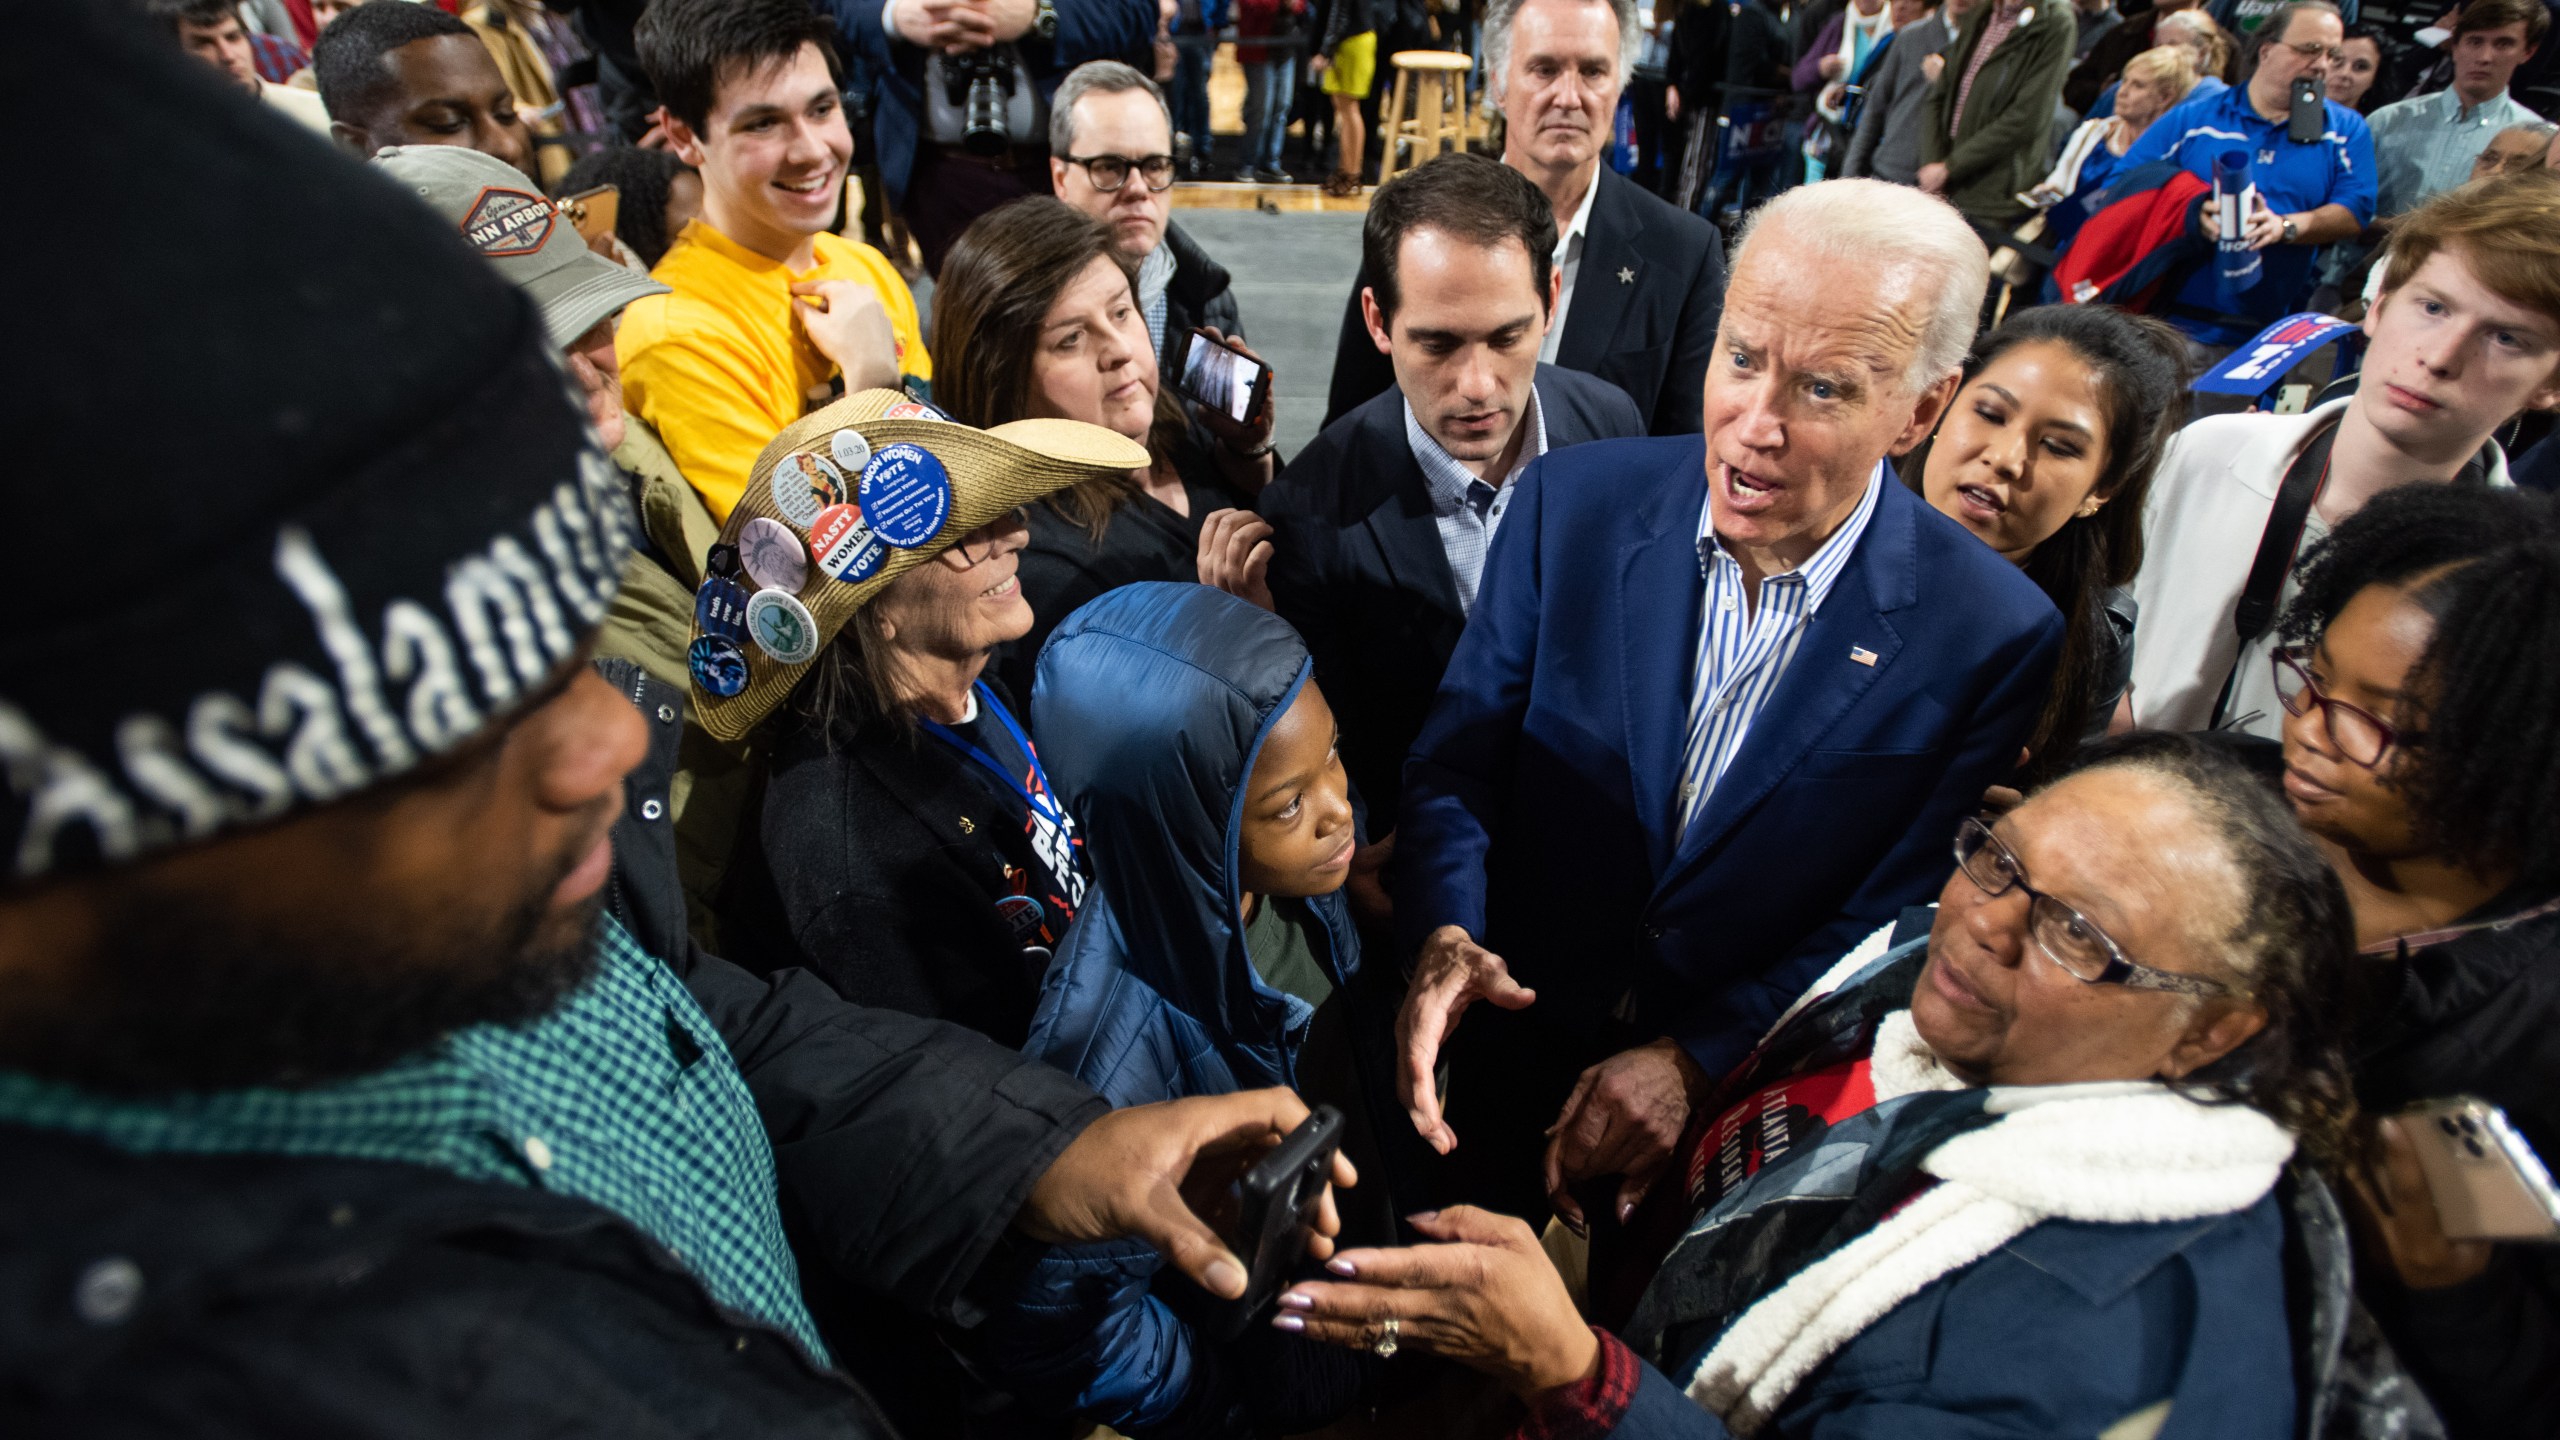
x=2486 y=1182
x=1280 y=1197
x=1219 y=375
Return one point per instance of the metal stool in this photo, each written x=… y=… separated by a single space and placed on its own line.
x=1440 y=110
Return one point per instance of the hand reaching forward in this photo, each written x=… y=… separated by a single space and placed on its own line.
x=1485 y=1295
x=1453 y=973
x=1166 y=1174
x=1235 y=554
x=1624 y=1118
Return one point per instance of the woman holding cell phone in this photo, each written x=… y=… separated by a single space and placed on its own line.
x=2419 y=749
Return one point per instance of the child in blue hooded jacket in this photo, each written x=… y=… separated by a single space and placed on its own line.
x=1184 y=729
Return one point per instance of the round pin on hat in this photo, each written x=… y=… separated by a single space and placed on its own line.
x=718 y=666
x=906 y=494
x=720 y=608
x=782 y=627
x=845 y=547
x=774 y=557
x=850 y=449
x=804 y=485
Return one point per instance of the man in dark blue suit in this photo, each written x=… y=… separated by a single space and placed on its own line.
x=1714 y=717
x=1380 y=526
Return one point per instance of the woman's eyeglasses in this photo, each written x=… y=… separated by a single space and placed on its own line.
x=2358 y=734
x=1110 y=172
x=2067 y=937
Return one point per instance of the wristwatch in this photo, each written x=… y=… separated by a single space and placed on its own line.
x=2292 y=232
x=1044 y=21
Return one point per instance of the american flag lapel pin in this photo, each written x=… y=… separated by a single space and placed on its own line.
x=1862 y=655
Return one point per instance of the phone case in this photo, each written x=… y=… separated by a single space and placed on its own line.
x=1280 y=1194
x=2487 y=1182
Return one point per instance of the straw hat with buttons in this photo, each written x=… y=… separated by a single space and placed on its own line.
x=842 y=503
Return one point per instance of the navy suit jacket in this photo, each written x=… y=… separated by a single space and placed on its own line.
x=1540 y=801
x=1357 y=566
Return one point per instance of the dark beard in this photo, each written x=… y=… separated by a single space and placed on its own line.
x=183 y=995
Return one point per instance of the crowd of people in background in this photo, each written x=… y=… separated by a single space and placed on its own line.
x=1894 y=766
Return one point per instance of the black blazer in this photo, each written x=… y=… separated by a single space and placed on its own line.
x=880 y=863
x=1356 y=565
x=1648 y=333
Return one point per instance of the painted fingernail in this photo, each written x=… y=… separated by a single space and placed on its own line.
x=1422 y=1217
x=1340 y=1266
x=1298 y=1300
x=1626 y=1211
x=1226 y=1278
x=1291 y=1323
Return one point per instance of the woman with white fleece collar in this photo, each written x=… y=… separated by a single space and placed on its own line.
x=2015 y=1177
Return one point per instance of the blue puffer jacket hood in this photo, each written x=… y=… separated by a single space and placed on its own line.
x=1151 y=705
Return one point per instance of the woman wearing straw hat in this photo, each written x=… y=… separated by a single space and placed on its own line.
x=911 y=851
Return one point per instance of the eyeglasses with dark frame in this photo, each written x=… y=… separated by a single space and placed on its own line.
x=2314 y=50
x=978 y=546
x=2068 y=938
x=1109 y=172
x=2354 y=732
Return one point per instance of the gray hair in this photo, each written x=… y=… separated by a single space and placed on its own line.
x=2271 y=31
x=1094 y=77
x=1499 y=15
x=2538 y=129
x=1878 y=227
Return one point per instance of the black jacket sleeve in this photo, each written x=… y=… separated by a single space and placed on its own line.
x=1360 y=373
x=2486 y=1351
x=905 y=1146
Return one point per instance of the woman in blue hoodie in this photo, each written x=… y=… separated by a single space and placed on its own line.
x=1184 y=729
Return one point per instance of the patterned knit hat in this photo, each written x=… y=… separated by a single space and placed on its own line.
x=311 y=506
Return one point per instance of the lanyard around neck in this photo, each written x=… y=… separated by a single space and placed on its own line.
x=1042 y=799
x=2402 y=944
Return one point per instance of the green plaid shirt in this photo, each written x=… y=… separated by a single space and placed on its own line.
x=625 y=1096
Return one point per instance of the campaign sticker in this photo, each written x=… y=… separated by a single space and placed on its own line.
x=915 y=410
x=906 y=495
x=845 y=546
x=774 y=557
x=851 y=450
x=718 y=666
x=782 y=627
x=803 y=485
x=1022 y=913
x=720 y=608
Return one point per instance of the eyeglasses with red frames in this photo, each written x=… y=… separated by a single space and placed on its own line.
x=2354 y=732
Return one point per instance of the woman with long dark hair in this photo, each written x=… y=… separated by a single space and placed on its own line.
x=2046 y=454
x=1036 y=314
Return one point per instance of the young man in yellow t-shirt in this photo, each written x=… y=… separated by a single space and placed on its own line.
x=769 y=307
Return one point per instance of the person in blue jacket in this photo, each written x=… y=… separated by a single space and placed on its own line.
x=1184 y=729
x=2027 y=1173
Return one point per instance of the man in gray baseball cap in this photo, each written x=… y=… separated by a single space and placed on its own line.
x=536 y=246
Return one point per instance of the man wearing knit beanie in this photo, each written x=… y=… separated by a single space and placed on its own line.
x=330 y=1100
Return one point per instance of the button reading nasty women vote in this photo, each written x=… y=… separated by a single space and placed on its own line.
x=775 y=558
x=851 y=450
x=718 y=666
x=720 y=608
x=845 y=546
x=782 y=627
x=915 y=410
x=803 y=485
x=906 y=494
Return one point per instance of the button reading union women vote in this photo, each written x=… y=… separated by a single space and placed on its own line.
x=782 y=627
x=906 y=494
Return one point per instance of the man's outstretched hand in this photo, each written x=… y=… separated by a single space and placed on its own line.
x=1624 y=1118
x=1166 y=1174
x=1453 y=973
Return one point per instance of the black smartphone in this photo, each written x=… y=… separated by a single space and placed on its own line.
x=1223 y=377
x=1280 y=1196
x=2310 y=117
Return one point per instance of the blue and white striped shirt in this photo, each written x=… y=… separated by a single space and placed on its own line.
x=1467 y=509
x=1744 y=650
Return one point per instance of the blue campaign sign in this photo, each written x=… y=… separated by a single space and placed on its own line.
x=2255 y=367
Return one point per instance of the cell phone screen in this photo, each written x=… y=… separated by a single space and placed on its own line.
x=1220 y=378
